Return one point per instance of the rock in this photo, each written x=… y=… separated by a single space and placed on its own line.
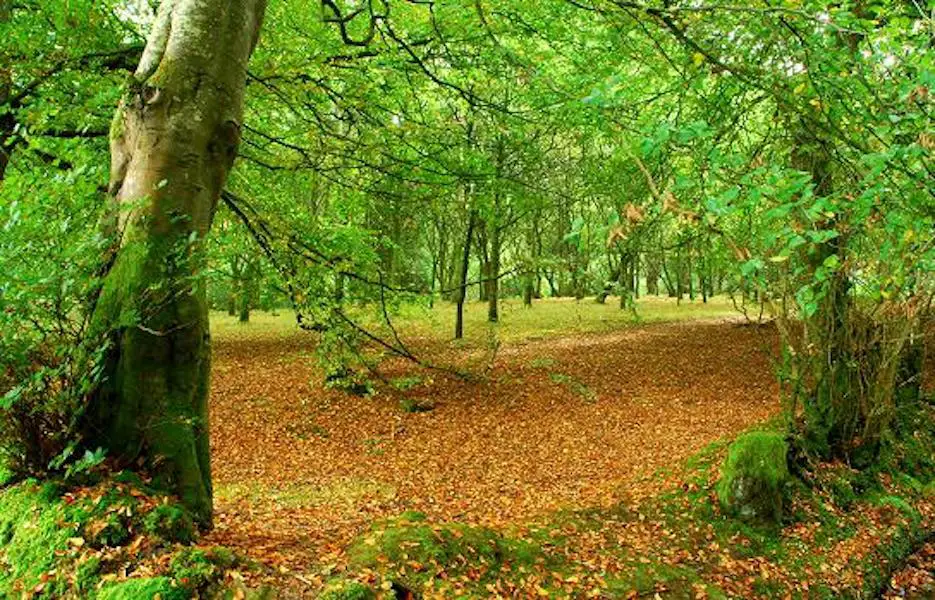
x=753 y=477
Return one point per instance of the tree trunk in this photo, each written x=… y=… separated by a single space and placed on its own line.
x=493 y=284
x=652 y=275
x=173 y=142
x=529 y=290
x=679 y=275
x=636 y=274
x=622 y=283
x=689 y=276
x=462 y=284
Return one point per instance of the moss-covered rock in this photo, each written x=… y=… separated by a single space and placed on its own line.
x=753 y=477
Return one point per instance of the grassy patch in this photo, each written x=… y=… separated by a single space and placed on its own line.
x=547 y=318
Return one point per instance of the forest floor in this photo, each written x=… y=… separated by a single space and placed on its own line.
x=575 y=406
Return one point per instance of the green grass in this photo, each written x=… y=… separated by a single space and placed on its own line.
x=547 y=318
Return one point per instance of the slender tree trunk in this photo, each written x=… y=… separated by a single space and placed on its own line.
x=248 y=290
x=622 y=283
x=493 y=290
x=652 y=276
x=462 y=284
x=679 y=275
x=636 y=274
x=173 y=142
x=554 y=292
x=689 y=276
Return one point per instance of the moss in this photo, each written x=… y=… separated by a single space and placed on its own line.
x=117 y=126
x=654 y=579
x=143 y=589
x=412 y=550
x=753 y=477
x=156 y=272
x=48 y=542
x=929 y=490
x=110 y=531
x=902 y=506
x=201 y=571
x=343 y=589
x=170 y=523
x=87 y=574
x=34 y=530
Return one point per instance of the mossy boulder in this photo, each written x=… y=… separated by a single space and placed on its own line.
x=753 y=477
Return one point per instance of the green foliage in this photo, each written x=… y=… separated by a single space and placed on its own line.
x=754 y=475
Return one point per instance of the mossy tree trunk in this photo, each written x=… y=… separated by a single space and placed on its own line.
x=173 y=142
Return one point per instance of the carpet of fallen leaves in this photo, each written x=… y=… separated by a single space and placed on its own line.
x=917 y=579
x=566 y=422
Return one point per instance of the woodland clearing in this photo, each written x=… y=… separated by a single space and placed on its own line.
x=563 y=420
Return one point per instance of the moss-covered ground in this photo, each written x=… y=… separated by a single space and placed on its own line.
x=115 y=540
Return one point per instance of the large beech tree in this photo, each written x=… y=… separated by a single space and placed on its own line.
x=173 y=142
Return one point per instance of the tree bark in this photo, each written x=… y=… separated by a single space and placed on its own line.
x=462 y=284
x=173 y=142
x=493 y=274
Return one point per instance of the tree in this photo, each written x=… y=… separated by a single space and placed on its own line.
x=173 y=142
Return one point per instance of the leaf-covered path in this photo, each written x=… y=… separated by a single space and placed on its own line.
x=564 y=422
